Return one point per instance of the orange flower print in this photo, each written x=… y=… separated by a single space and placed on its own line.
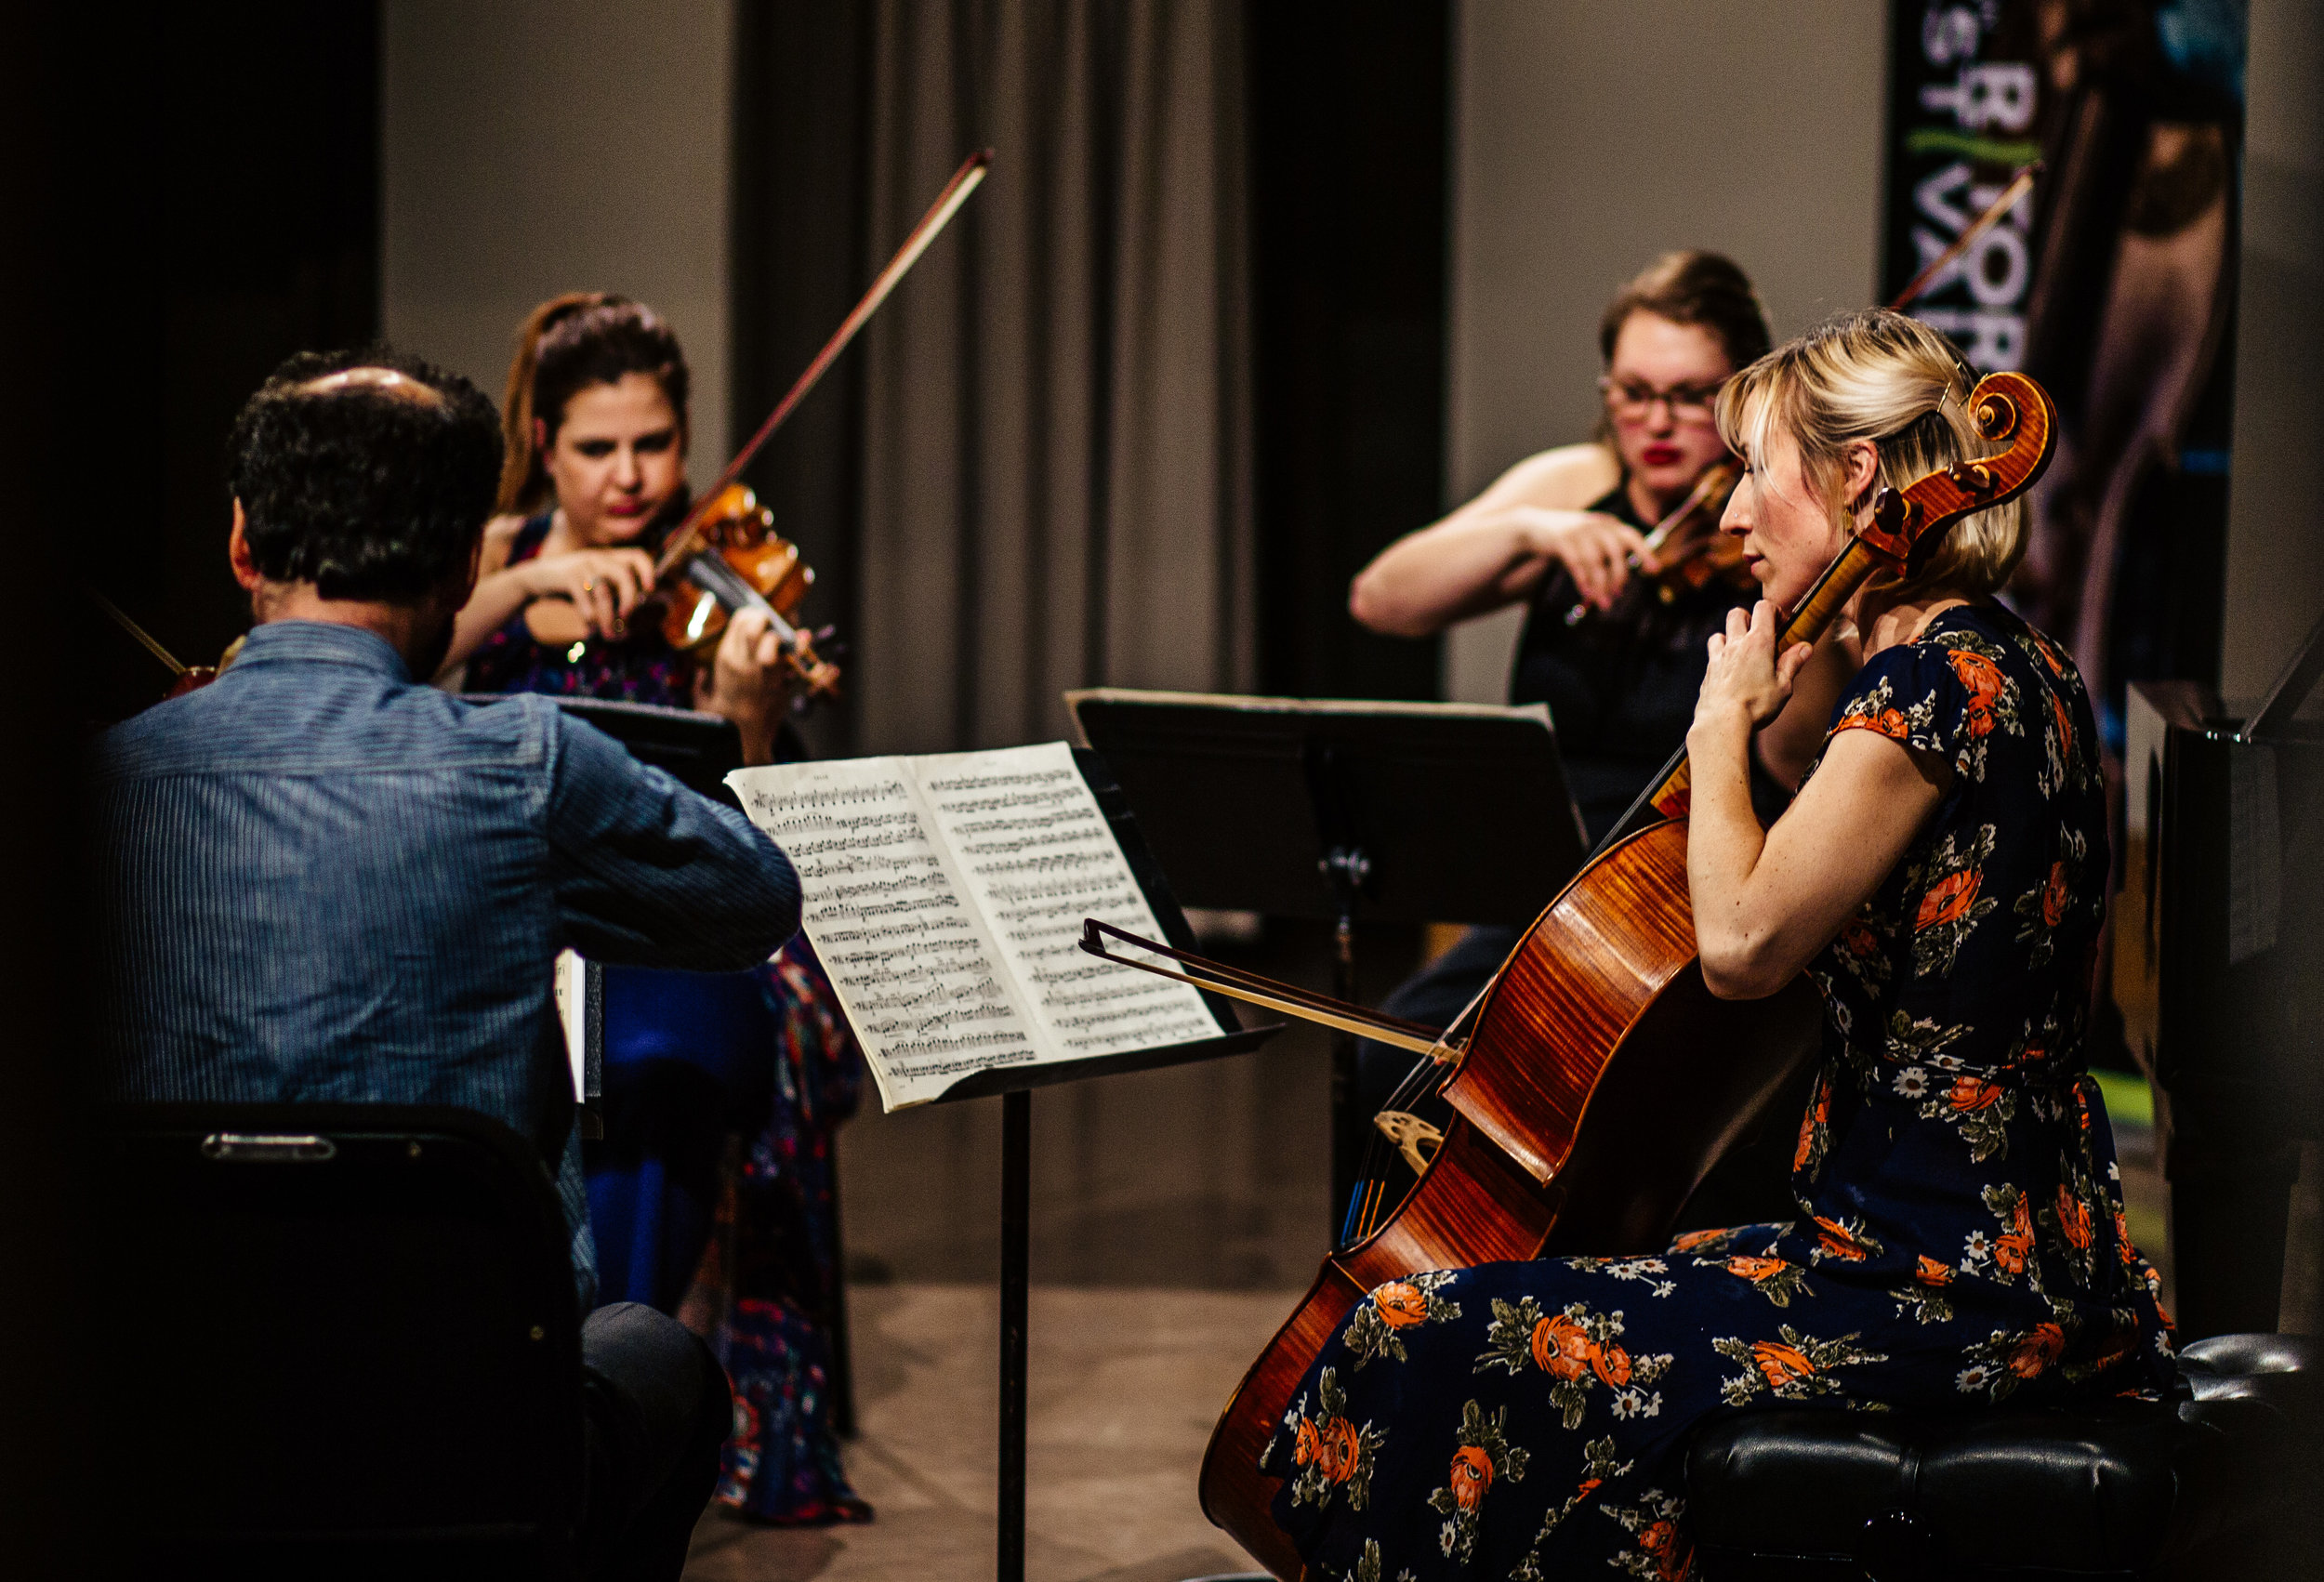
x=1889 y=722
x=2007 y=1359
x=2074 y=1220
x=2001 y=1256
x=2049 y=904
x=1661 y=1551
x=2030 y=1356
x=2010 y=1248
x=1948 y=899
x=1782 y=1364
x=1402 y=1304
x=2065 y=727
x=1984 y=679
x=1580 y=1351
x=1841 y=1240
x=1484 y=1455
x=1560 y=1347
x=1815 y=1130
x=1335 y=1447
x=1472 y=1475
x=1924 y=1296
x=1662 y=1545
x=1969 y=1094
x=1793 y=1367
x=1331 y=1457
x=1953 y=903
x=1776 y=1279
x=1375 y=1329
x=1694 y=1239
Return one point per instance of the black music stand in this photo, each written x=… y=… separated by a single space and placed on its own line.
x=1014 y=1085
x=1347 y=813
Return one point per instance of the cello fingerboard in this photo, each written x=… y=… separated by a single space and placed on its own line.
x=1671 y=795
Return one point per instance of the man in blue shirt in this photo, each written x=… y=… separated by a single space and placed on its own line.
x=322 y=881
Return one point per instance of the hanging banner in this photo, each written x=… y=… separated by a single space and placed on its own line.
x=2112 y=282
x=1965 y=105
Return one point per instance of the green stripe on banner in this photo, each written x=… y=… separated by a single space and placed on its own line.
x=1987 y=151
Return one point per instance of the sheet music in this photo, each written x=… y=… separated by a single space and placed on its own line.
x=1034 y=847
x=946 y=895
x=918 y=973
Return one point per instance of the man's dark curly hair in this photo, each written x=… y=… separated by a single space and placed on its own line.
x=368 y=491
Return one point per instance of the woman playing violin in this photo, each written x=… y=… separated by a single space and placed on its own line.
x=1958 y=1238
x=595 y=426
x=1617 y=664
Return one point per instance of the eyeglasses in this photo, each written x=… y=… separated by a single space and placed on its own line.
x=1630 y=401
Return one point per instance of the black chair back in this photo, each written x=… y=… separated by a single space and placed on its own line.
x=336 y=1340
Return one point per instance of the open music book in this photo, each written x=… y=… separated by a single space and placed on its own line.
x=944 y=894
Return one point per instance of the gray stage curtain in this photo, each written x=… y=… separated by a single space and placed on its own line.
x=1055 y=451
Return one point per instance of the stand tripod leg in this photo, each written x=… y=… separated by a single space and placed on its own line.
x=1016 y=1170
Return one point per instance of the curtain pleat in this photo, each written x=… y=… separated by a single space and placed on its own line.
x=1056 y=456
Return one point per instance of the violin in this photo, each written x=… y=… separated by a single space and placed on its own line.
x=742 y=565
x=1708 y=556
x=1596 y=1079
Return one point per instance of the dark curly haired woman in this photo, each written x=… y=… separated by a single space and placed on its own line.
x=744 y=1248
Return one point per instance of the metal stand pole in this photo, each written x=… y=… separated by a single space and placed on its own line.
x=1016 y=1171
x=1345 y=869
x=1347 y=1132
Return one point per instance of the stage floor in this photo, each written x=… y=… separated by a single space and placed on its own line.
x=1126 y=1385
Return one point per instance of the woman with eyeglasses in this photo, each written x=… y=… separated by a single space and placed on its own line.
x=1558 y=532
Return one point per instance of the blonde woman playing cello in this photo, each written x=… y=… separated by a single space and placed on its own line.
x=1957 y=1238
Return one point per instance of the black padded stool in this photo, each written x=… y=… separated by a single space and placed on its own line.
x=2220 y=1482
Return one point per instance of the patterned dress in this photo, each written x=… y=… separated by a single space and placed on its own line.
x=1959 y=1238
x=760 y=1280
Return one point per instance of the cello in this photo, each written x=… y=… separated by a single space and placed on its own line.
x=1598 y=1079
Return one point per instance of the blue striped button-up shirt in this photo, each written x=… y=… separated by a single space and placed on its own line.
x=320 y=881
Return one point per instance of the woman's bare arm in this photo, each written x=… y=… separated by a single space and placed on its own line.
x=603 y=585
x=1496 y=549
x=1766 y=901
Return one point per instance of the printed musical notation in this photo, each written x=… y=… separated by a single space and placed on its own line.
x=944 y=895
x=1033 y=847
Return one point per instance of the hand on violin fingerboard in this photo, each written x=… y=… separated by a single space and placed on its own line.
x=747 y=682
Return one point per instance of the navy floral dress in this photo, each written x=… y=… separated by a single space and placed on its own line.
x=1959 y=1238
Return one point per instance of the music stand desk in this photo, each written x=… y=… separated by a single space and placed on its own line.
x=1348 y=813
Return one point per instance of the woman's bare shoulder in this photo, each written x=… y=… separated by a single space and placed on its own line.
x=1564 y=479
x=500 y=536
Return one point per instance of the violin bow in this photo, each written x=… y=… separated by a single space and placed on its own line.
x=965 y=181
x=121 y=619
